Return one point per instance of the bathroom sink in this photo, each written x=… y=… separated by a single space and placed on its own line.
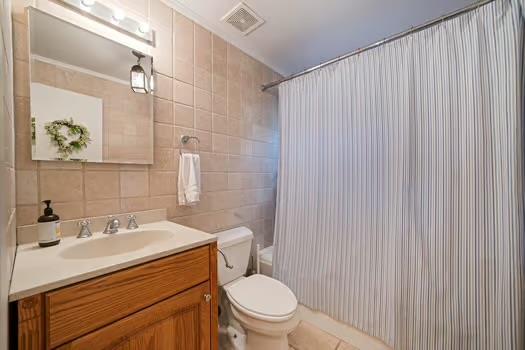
x=115 y=244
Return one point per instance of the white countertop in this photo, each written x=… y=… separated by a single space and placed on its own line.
x=38 y=270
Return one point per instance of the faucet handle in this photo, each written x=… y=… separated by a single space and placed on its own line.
x=84 y=229
x=132 y=222
x=112 y=225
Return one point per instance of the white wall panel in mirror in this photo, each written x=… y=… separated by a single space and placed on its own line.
x=82 y=104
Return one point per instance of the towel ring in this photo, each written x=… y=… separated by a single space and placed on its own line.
x=185 y=139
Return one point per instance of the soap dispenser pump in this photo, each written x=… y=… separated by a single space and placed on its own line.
x=48 y=227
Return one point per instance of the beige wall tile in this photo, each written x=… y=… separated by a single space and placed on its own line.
x=163 y=111
x=102 y=207
x=219 y=124
x=220 y=143
x=219 y=105
x=27 y=187
x=183 y=115
x=21 y=83
x=168 y=202
x=101 y=167
x=205 y=140
x=163 y=135
x=20 y=41
x=23 y=159
x=212 y=162
x=184 y=38
x=212 y=182
x=101 y=184
x=203 y=120
x=133 y=167
x=234 y=127
x=27 y=214
x=234 y=145
x=183 y=71
x=182 y=93
x=137 y=6
x=234 y=64
x=163 y=50
x=202 y=99
x=220 y=67
x=69 y=210
x=203 y=79
x=234 y=100
x=219 y=86
x=163 y=183
x=134 y=184
x=61 y=185
x=203 y=50
x=57 y=165
x=220 y=48
x=161 y=14
x=22 y=116
x=128 y=205
x=164 y=159
x=164 y=87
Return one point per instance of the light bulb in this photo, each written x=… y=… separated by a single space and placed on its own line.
x=88 y=3
x=152 y=83
x=144 y=28
x=118 y=15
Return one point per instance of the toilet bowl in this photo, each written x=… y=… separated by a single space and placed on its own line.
x=263 y=306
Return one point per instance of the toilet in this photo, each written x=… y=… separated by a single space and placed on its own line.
x=263 y=306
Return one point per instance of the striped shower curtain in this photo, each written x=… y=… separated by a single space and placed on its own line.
x=400 y=198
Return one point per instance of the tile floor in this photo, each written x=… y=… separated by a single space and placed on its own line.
x=304 y=337
x=308 y=337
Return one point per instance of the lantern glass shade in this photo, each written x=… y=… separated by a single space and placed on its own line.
x=138 y=79
x=151 y=83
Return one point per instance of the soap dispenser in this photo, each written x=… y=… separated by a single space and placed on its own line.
x=48 y=227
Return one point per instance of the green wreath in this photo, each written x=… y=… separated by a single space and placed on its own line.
x=66 y=149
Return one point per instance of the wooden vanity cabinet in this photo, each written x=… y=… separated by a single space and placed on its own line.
x=170 y=303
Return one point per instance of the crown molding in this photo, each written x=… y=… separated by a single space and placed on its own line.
x=183 y=9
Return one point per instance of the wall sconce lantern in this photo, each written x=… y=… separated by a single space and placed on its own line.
x=138 y=78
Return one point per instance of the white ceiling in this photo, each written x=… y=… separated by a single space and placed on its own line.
x=302 y=33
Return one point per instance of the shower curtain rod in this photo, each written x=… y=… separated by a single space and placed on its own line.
x=379 y=43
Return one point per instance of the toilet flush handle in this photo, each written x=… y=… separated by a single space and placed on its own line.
x=228 y=265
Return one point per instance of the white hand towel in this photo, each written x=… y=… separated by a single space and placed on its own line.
x=189 y=184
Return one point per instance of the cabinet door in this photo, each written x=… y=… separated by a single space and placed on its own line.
x=181 y=322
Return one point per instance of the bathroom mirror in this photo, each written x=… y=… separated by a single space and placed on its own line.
x=82 y=105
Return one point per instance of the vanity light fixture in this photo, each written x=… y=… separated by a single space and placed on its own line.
x=113 y=17
x=138 y=80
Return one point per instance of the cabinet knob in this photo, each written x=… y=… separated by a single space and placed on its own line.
x=207 y=297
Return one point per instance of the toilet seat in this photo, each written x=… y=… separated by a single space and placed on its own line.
x=263 y=298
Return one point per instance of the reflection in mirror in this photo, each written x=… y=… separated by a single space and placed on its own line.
x=83 y=107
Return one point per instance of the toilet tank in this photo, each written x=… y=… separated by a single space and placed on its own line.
x=236 y=244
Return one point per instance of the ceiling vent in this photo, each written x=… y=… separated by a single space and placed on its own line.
x=243 y=18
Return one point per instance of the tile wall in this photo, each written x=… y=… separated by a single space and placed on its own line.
x=205 y=87
x=7 y=166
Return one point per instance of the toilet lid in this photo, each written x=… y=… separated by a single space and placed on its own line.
x=263 y=295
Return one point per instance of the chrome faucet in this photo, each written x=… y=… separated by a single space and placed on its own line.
x=132 y=222
x=112 y=225
x=228 y=265
x=85 y=232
